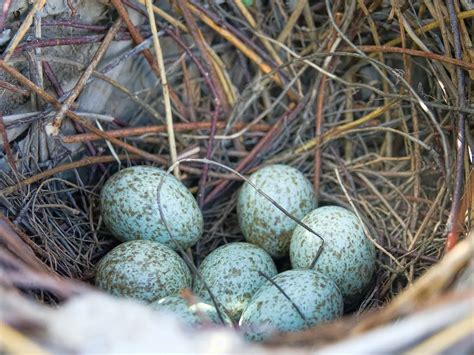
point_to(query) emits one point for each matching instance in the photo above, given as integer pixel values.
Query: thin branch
(452, 227)
(24, 28)
(178, 127)
(76, 91)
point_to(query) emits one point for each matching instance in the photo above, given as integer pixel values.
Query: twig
(30, 85)
(248, 52)
(199, 40)
(364, 227)
(136, 36)
(282, 37)
(318, 123)
(451, 225)
(431, 26)
(25, 26)
(48, 71)
(178, 127)
(10, 87)
(203, 179)
(75, 92)
(248, 16)
(417, 53)
(320, 101)
(164, 83)
(138, 39)
(347, 126)
(167, 17)
(220, 98)
(70, 41)
(74, 24)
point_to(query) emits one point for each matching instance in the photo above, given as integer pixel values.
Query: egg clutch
(237, 283)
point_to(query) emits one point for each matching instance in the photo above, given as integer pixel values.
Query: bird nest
(369, 101)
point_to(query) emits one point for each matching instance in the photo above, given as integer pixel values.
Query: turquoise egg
(195, 314)
(348, 257)
(262, 223)
(130, 208)
(143, 270)
(232, 272)
(301, 299)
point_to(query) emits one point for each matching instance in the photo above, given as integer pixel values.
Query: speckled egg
(308, 298)
(264, 224)
(232, 272)
(130, 208)
(195, 314)
(143, 270)
(348, 257)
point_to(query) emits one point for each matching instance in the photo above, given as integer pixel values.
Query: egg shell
(315, 295)
(348, 257)
(143, 270)
(260, 221)
(232, 273)
(130, 208)
(195, 314)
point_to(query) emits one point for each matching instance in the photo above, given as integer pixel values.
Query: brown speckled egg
(130, 209)
(261, 222)
(144, 270)
(232, 273)
(348, 256)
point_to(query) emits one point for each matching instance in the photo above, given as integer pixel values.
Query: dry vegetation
(371, 100)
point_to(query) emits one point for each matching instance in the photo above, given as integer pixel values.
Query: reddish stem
(452, 224)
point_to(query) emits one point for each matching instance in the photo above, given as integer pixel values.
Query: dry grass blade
(164, 83)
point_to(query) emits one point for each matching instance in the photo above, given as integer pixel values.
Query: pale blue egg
(264, 224)
(195, 314)
(348, 256)
(233, 273)
(302, 299)
(143, 270)
(130, 208)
